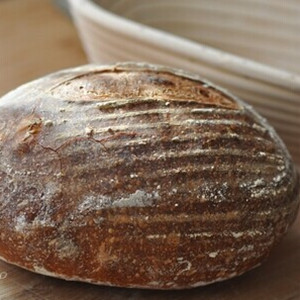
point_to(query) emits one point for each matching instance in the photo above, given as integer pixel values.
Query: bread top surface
(130, 152)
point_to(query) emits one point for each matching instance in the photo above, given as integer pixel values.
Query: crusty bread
(139, 176)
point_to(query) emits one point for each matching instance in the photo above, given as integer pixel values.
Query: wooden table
(35, 39)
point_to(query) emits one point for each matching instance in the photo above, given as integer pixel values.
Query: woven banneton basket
(249, 47)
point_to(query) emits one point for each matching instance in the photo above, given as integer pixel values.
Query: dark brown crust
(139, 176)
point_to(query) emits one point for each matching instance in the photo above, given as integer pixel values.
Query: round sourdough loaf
(137, 175)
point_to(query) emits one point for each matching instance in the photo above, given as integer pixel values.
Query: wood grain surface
(36, 39)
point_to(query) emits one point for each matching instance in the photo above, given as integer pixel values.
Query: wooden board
(36, 39)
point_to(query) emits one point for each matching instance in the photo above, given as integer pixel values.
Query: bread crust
(139, 176)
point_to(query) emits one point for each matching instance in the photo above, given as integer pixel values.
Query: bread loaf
(136, 175)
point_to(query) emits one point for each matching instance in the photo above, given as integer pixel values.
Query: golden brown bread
(139, 176)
